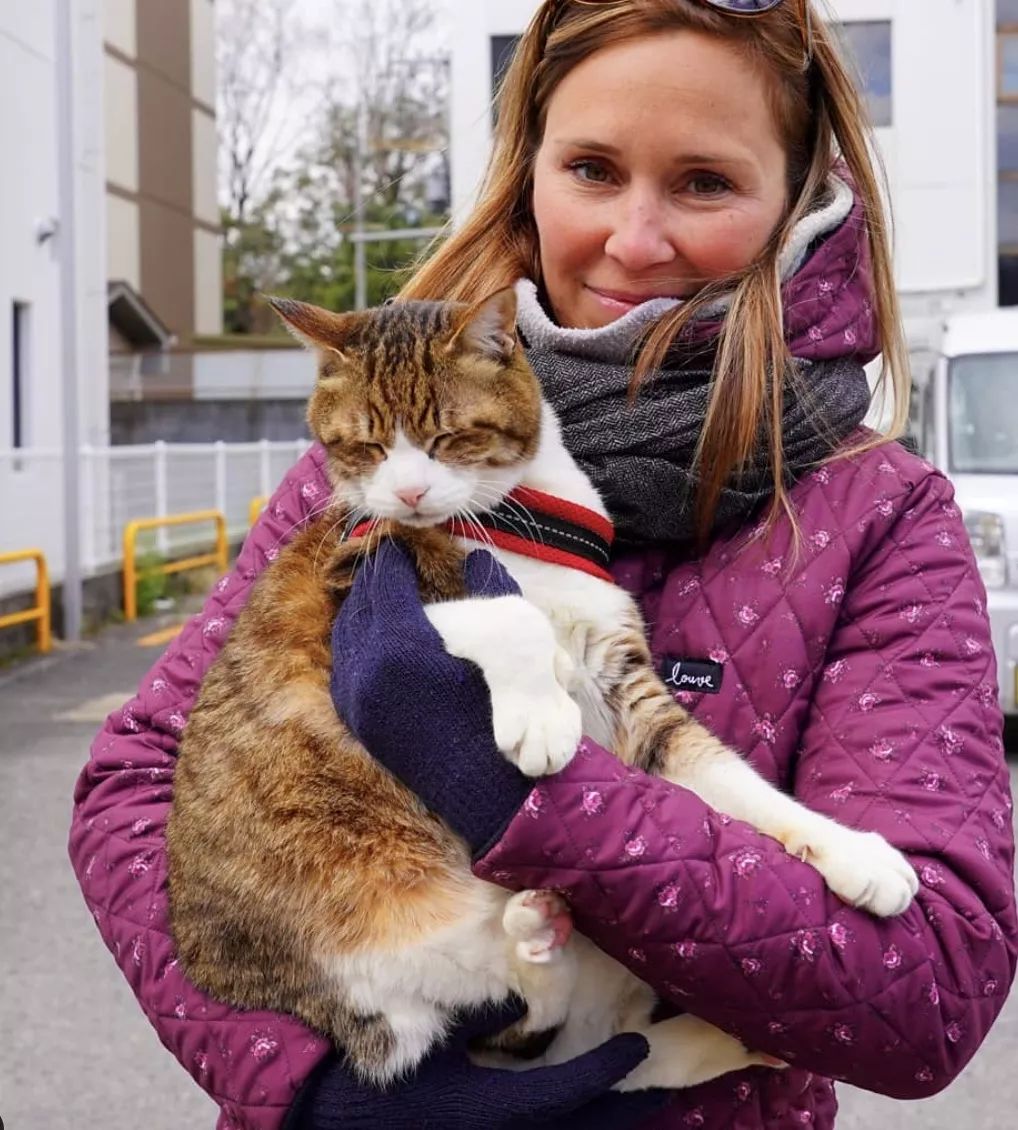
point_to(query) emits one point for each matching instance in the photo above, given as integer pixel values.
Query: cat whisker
(328, 534)
(373, 521)
(471, 523)
(526, 524)
(315, 512)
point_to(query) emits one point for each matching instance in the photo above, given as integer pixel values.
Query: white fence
(119, 484)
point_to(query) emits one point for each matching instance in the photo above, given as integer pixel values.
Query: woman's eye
(593, 172)
(708, 184)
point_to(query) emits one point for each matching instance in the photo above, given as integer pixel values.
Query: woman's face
(660, 169)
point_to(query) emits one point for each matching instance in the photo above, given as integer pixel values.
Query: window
(1007, 137)
(868, 45)
(1007, 66)
(1007, 215)
(984, 429)
(1007, 13)
(1007, 280)
(502, 48)
(19, 372)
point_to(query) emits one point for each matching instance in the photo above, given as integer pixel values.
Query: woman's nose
(639, 238)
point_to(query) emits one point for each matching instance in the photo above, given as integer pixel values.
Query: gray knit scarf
(639, 454)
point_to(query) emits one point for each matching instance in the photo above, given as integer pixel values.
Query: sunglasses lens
(743, 7)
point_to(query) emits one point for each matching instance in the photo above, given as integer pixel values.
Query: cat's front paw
(862, 868)
(538, 734)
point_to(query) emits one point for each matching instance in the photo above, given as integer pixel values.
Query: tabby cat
(303, 877)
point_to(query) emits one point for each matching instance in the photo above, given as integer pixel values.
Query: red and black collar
(535, 524)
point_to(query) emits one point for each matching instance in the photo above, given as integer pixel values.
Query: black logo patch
(698, 676)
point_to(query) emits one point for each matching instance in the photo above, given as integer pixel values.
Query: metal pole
(72, 597)
(360, 264)
(387, 235)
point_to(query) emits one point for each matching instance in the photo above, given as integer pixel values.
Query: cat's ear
(318, 329)
(488, 328)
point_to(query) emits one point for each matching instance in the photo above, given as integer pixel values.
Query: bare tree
(398, 70)
(368, 92)
(255, 61)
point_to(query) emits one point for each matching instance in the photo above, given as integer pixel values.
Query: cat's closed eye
(468, 445)
(354, 454)
(431, 444)
(373, 451)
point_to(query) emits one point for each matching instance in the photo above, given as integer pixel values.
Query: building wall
(30, 269)
(938, 146)
(162, 208)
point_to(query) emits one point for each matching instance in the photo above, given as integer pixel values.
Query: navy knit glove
(424, 714)
(448, 1092)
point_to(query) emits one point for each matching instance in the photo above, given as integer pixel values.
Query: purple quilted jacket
(859, 676)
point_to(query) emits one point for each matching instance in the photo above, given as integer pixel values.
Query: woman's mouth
(621, 302)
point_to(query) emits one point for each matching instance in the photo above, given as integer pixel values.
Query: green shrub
(150, 586)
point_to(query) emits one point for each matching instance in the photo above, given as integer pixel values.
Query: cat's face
(426, 409)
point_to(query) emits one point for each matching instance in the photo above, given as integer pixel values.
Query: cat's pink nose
(412, 495)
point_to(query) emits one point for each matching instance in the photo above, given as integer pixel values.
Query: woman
(665, 180)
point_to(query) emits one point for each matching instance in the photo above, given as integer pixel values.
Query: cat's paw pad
(541, 924)
(538, 735)
(864, 869)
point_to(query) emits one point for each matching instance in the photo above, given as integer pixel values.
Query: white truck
(965, 421)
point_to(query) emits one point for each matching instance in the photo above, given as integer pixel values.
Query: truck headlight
(986, 532)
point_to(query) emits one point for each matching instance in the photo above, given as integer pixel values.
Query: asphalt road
(76, 1051)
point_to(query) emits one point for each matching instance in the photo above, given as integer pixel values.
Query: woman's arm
(722, 921)
(251, 1063)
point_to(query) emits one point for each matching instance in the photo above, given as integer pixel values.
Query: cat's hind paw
(541, 924)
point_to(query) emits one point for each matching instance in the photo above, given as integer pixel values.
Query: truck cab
(965, 421)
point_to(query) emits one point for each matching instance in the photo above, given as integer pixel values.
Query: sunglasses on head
(747, 8)
(730, 7)
(742, 7)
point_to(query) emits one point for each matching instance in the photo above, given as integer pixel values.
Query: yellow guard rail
(40, 613)
(256, 507)
(219, 558)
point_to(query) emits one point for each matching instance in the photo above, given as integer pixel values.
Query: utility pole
(360, 262)
(67, 252)
(359, 237)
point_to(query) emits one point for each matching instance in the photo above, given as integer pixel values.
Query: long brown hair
(822, 120)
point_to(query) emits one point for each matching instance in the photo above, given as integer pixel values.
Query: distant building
(148, 275)
(1005, 75)
(165, 253)
(165, 263)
